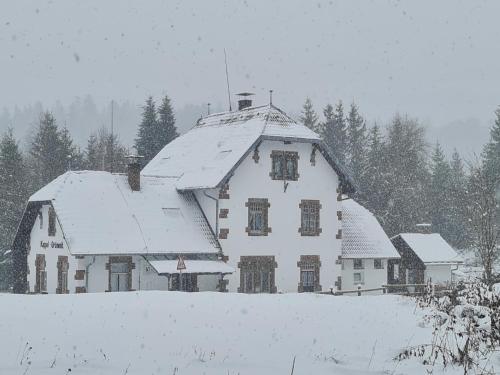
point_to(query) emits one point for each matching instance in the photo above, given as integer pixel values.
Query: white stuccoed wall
(252, 180)
(39, 235)
(439, 273)
(373, 278)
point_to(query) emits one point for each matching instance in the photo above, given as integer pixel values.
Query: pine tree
(105, 152)
(309, 117)
(74, 157)
(372, 189)
(52, 152)
(439, 193)
(491, 152)
(145, 143)
(406, 165)
(459, 230)
(167, 130)
(334, 131)
(356, 143)
(13, 196)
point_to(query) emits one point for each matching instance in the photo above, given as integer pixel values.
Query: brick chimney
(424, 228)
(134, 172)
(244, 102)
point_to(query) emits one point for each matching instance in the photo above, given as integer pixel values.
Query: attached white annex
(250, 200)
(425, 257)
(368, 255)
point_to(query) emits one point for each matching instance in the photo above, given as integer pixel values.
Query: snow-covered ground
(208, 333)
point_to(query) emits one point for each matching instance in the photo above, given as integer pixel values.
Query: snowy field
(208, 333)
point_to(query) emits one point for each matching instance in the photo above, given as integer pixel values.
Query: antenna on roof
(270, 97)
(112, 137)
(208, 109)
(227, 80)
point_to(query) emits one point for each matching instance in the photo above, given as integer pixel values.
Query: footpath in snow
(207, 333)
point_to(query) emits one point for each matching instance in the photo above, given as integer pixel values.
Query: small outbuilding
(424, 257)
(367, 251)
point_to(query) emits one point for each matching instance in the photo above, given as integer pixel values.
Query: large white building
(246, 201)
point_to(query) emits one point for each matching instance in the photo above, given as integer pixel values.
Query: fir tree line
(401, 178)
(52, 152)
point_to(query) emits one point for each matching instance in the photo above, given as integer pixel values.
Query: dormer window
(285, 165)
(52, 222)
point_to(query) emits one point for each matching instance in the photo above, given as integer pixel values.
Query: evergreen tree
(407, 174)
(459, 231)
(309, 117)
(52, 152)
(105, 152)
(13, 195)
(491, 154)
(74, 157)
(439, 193)
(145, 143)
(334, 131)
(356, 143)
(372, 189)
(167, 130)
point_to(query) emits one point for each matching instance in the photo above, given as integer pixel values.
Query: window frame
(41, 274)
(52, 227)
(378, 267)
(309, 263)
(40, 218)
(358, 267)
(258, 205)
(361, 277)
(252, 269)
(62, 275)
(123, 260)
(310, 207)
(284, 157)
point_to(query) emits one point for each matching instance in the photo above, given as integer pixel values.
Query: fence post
(359, 290)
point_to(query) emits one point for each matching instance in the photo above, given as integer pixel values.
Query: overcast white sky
(438, 61)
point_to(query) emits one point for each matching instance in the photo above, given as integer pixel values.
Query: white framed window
(378, 264)
(43, 281)
(358, 278)
(358, 264)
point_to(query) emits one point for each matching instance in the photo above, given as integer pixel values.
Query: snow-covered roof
(192, 266)
(205, 155)
(100, 214)
(431, 248)
(362, 235)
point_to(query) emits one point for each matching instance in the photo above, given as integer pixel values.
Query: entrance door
(119, 277)
(185, 282)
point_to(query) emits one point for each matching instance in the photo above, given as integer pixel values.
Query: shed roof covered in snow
(100, 214)
(430, 247)
(362, 235)
(208, 153)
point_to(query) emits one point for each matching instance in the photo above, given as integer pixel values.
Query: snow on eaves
(207, 153)
(362, 235)
(431, 248)
(100, 214)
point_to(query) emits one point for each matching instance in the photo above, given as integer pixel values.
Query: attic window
(284, 165)
(40, 219)
(52, 222)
